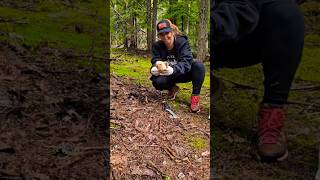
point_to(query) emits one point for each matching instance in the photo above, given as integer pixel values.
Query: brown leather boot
(173, 92)
(272, 143)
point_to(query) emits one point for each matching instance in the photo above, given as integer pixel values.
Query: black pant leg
(196, 75)
(277, 43)
(162, 82)
(282, 40)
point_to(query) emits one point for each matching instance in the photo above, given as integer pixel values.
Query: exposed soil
(146, 143)
(52, 116)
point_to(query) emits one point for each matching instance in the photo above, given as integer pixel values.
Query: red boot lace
(195, 100)
(270, 124)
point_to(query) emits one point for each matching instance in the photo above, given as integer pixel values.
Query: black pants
(196, 75)
(276, 42)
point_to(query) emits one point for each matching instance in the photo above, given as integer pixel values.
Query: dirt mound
(146, 143)
(52, 115)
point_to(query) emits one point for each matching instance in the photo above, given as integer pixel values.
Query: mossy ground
(53, 23)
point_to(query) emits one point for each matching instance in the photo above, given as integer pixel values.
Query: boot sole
(195, 111)
(267, 159)
(285, 156)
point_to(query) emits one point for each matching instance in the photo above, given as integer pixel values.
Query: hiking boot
(272, 143)
(195, 103)
(173, 92)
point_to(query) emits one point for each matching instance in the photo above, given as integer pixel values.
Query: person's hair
(174, 28)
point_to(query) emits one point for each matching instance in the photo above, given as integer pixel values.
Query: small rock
(199, 160)
(143, 172)
(234, 138)
(205, 154)
(185, 159)
(181, 176)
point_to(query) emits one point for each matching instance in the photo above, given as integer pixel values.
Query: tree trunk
(182, 24)
(171, 3)
(126, 30)
(133, 38)
(188, 20)
(149, 26)
(202, 30)
(154, 20)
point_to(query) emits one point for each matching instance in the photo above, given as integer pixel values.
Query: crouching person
(172, 63)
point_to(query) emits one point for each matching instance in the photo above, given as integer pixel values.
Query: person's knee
(292, 19)
(159, 83)
(199, 66)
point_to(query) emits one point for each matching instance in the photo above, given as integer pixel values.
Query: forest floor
(145, 141)
(53, 100)
(52, 116)
(232, 147)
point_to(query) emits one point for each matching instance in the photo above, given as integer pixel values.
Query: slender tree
(154, 20)
(203, 30)
(149, 26)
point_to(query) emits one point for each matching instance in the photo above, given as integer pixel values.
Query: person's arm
(155, 53)
(232, 19)
(184, 58)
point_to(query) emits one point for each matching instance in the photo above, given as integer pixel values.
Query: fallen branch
(154, 168)
(310, 88)
(169, 152)
(88, 56)
(15, 21)
(240, 86)
(8, 173)
(304, 104)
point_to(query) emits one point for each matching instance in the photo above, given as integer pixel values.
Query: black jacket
(233, 19)
(179, 58)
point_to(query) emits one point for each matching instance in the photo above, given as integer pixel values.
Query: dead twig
(14, 21)
(154, 168)
(94, 148)
(239, 85)
(169, 152)
(9, 173)
(305, 104)
(309, 88)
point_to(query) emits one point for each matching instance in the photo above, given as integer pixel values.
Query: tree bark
(149, 26)
(188, 20)
(154, 20)
(202, 30)
(133, 38)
